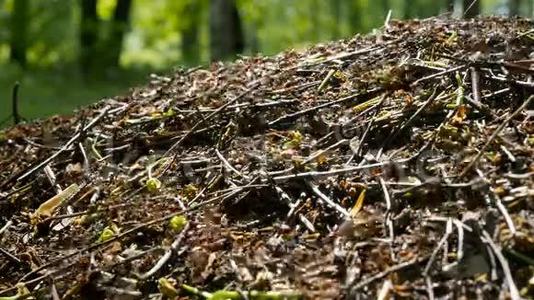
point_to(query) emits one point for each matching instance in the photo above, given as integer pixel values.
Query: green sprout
(177, 223)
(153, 185)
(107, 233)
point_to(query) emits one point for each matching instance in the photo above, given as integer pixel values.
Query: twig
(328, 201)
(67, 144)
(494, 135)
(358, 150)
(365, 282)
(514, 293)
(15, 103)
(438, 74)
(387, 198)
(403, 126)
(448, 231)
(297, 114)
(11, 257)
(227, 164)
(163, 260)
(317, 174)
(475, 79)
(5, 227)
(204, 120)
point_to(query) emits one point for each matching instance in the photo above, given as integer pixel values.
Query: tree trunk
(226, 33)
(88, 34)
(19, 28)
(471, 8)
(513, 7)
(119, 26)
(190, 34)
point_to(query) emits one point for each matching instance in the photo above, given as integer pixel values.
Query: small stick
(15, 103)
(316, 174)
(493, 136)
(5, 227)
(438, 74)
(514, 293)
(165, 257)
(204, 120)
(401, 128)
(299, 113)
(460, 228)
(448, 231)
(11, 257)
(388, 221)
(227, 164)
(328, 201)
(475, 79)
(386, 272)
(66, 146)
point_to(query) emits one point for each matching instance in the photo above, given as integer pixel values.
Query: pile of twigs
(398, 164)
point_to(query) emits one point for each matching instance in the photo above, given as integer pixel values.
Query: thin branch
(165, 257)
(328, 201)
(494, 135)
(514, 293)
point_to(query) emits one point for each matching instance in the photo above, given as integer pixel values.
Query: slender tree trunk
(471, 8)
(190, 34)
(88, 34)
(226, 33)
(513, 7)
(120, 24)
(19, 28)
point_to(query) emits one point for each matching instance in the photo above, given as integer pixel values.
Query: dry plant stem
(448, 231)
(475, 80)
(163, 260)
(318, 174)
(365, 282)
(67, 145)
(404, 125)
(343, 212)
(193, 129)
(494, 135)
(429, 288)
(5, 227)
(514, 293)
(358, 151)
(10, 256)
(293, 116)
(460, 227)
(227, 164)
(438, 74)
(208, 117)
(506, 215)
(388, 222)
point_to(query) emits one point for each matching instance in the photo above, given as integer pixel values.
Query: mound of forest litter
(397, 164)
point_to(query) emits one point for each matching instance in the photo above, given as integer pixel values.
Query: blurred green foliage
(52, 83)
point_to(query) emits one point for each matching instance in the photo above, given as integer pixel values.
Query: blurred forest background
(66, 53)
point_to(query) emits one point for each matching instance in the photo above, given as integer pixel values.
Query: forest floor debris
(399, 163)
